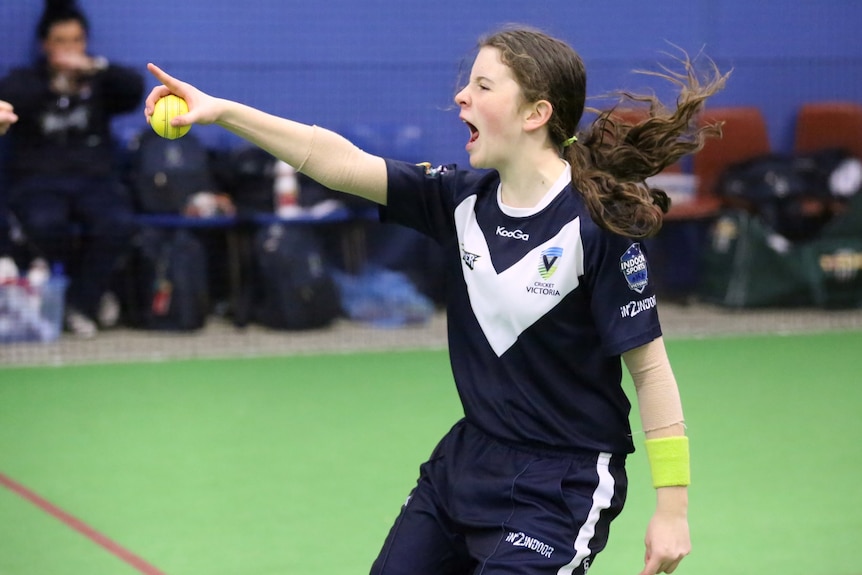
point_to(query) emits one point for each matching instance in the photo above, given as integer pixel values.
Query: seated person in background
(61, 168)
(8, 268)
(7, 116)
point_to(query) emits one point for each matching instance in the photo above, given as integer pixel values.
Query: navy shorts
(484, 507)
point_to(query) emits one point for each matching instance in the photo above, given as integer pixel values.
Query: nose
(461, 97)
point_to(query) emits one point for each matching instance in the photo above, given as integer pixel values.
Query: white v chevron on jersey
(507, 303)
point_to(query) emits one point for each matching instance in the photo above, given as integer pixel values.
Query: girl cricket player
(549, 294)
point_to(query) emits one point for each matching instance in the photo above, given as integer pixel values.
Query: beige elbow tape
(658, 395)
(335, 162)
(314, 130)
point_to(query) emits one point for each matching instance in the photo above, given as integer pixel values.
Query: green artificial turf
(300, 464)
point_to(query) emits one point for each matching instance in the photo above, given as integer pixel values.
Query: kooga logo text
(517, 234)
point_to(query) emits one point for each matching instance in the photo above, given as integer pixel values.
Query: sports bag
(164, 174)
(293, 286)
(170, 290)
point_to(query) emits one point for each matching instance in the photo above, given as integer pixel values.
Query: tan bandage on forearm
(658, 395)
(339, 165)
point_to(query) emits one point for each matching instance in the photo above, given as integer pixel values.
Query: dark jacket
(60, 135)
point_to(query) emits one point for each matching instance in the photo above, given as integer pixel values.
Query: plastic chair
(677, 250)
(744, 136)
(828, 125)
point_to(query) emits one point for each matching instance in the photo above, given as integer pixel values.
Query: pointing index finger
(168, 85)
(162, 76)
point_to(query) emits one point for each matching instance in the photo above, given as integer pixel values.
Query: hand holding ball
(165, 110)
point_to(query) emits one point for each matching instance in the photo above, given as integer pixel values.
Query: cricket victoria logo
(547, 266)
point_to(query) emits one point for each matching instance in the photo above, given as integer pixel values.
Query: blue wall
(338, 62)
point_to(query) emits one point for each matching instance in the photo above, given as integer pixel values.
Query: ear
(537, 115)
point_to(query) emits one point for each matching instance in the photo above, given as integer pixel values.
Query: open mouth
(474, 132)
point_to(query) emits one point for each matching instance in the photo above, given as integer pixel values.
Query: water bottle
(286, 188)
(38, 273)
(8, 270)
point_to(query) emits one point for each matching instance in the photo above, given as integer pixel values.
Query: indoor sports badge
(633, 264)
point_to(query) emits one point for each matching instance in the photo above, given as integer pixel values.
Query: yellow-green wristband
(669, 461)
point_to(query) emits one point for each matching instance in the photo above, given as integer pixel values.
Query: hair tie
(570, 141)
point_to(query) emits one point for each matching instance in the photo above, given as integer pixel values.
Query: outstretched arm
(319, 153)
(667, 538)
(7, 116)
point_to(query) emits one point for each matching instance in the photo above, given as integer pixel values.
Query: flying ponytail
(614, 156)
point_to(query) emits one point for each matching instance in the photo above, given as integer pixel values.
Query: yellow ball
(166, 109)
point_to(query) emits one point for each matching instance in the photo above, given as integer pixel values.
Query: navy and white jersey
(541, 303)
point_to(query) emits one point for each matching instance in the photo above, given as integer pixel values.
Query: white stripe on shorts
(601, 501)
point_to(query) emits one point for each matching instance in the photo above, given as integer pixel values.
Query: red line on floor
(110, 546)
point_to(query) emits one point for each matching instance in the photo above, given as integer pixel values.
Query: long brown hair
(613, 156)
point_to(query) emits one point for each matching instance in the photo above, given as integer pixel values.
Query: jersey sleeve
(623, 299)
(420, 197)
